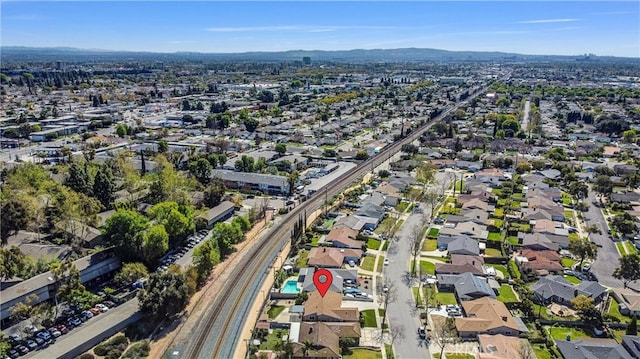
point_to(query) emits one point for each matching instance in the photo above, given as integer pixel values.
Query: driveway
(403, 312)
(608, 256)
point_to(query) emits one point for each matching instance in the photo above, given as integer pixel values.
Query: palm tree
(307, 345)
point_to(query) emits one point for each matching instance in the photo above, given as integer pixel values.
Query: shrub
(87, 356)
(138, 350)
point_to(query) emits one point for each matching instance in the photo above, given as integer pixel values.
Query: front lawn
(274, 311)
(369, 316)
(572, 279)
(492, 252)
(430, 245)
(446, 298)
(568, 262)
(385, 225)
(561, 333)
(433, 233)
(614, 311)
(541, 351)
(427, 267)
(506, 294)
(494, 236)
(416, 296)
(367, 263)
(373, 244)
(361, 353)
(502, 269)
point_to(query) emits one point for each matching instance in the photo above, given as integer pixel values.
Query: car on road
(422, 333)
(386, 261)
(385, 288)
(586, 267)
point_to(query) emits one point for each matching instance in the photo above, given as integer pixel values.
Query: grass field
(416, 296)
(427, 267)
(373, 244)
(385, 246)
(492, 252)
(367, 263)
(506, 294)
(380, 264)
(567, 262)
(502, 269)
(433, 233)
(360, 353)
(562, 332)
(274, 311)
(621, 248)
(369, 318)
(614, 311)
(630, 248)
(303, 257)
(446, 298)
(494, 236)
(430, 245)
(541, 351)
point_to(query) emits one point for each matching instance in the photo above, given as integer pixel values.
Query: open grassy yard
(274, 311)
(373, 244)
(502, 269)
(572, 279)
(433, 233)
(272, 339)
(385, 225)
(614, 311)
(506, 294)
(430, 245)
(492, 252)
(369, 318)
(360, 353)
(541, 351)
(367, 263)
(446, 298)
(427, 267)
(567, 262)
(494, 236)
(562, 333)
(303, 258)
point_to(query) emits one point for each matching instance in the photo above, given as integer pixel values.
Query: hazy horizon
(530, 28)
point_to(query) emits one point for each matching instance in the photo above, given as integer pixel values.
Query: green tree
(226, 235)
(205, 258)
(124, 230)
(121, 130)
(213, 193)
(625, 223)
(104, 186)
(67, 278)
(281, 148)
(589, 314)
(251, 124)
(241, 222)
(130, 273)
(201, 170)
(14, 217)
(11, 262)
(361, 155)
(78, 178)
(579, 189)
(163, 146)
(165, 295)
(629, 268)
(603, 185)
(583, 249)
(245, 164)
(292, 179)
(629, 136)
(155, 244)
(177, 220)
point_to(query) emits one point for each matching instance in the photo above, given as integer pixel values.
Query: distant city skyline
(605, 28)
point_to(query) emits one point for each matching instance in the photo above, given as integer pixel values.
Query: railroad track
(255, 266)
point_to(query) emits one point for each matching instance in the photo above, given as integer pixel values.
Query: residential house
(540, 262)
(625, 197)
(628, 301)
(349, 221)
(324, 257)
(392, 194)
(88, 235)
(464, 245)
(375, 198)
(486, 316)
(370, 214)
(462, 264)
(475, 203)
(543, 241)
(340, 278)
(631, 344)
(473, 230)
(326, 343)
(343, 237)
(590, 348)
(466, 286)
(556, 289)
(476, 215)
(623, 168)
(500, 347)
(546, 226)
(219, 213)
(328, 309)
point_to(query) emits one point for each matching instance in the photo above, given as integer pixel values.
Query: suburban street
(608, 255)
(403, 312)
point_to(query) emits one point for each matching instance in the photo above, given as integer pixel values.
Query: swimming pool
(290, 287)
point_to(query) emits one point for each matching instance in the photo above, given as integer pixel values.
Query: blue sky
(542, 27)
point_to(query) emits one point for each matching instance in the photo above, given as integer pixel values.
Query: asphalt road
(608, 256)
(403, 312)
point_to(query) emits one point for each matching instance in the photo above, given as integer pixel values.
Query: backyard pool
(290, 287)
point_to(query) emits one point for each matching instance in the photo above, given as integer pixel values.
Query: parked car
(41, 342)
(386, 261)
(15, 337)
(31, 344)
(103, 308)
(22, 349)
(109, 303)
(30, 329)
(87, 314)
(13, 354)
(74, 322)
(95, 311)
(44, 335)
(62, 328)
(422, 333)
(54, 332)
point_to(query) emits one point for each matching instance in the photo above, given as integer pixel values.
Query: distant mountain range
(19, 53)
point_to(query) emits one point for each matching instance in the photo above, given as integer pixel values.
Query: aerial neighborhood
(465, 209)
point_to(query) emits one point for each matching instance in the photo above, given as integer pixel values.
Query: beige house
(486, 316)
(328, 309)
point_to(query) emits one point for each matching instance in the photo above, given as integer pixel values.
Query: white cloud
(546, 21)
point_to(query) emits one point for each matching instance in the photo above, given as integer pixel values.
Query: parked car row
(175, 254)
